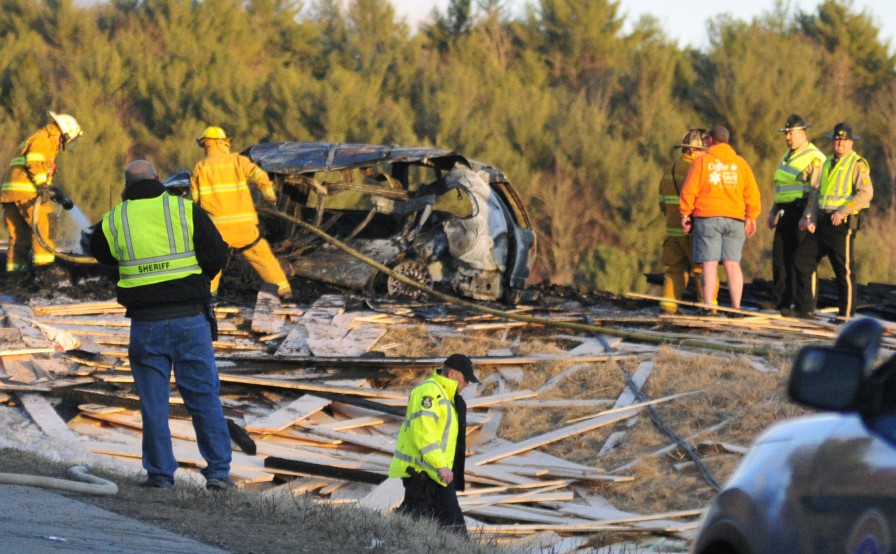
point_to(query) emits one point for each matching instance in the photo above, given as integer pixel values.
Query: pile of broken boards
(324, 429)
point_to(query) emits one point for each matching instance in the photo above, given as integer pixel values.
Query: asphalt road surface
(36, 520)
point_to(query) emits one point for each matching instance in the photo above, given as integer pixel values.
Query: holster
(419, 487)
(212, 320)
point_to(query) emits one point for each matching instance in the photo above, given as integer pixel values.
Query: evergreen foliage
(581, 115)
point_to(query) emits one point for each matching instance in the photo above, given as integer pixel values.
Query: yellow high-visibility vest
(152, 239)
(835, 189)
(788, 187)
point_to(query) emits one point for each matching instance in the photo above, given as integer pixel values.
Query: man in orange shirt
(720, 200)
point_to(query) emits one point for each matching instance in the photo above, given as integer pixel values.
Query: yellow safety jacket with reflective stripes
(219, 184)
(670, 188)
(32, 168)
(836, 187)
(152, 239)
(788, 185)
(428, 436)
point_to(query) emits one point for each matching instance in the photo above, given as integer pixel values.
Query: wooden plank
(26, 351)
(264, 320)
(492, 400)
(46, 417)
(287, 415)
(345, 425)
(575, 403)
(553, 436)
(295, 343)
(243, 468)
(557, 379)
(385, 497)
(286, 384)
(529, 497)
(81, 308)
(19, 369)
(626, 399)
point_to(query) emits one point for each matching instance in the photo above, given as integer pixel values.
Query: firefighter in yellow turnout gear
(30, 174)
(220, 185)
(678, 248)
(429, 454)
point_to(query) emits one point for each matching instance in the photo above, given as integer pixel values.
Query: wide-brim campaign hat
(843, 131)
(793, 123)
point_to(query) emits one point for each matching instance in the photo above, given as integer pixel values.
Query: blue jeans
(186, 345)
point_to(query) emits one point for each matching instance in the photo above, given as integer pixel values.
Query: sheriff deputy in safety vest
(167, 250)
(30, 174)
(220, 184)
(792, 183)
(429, 455)
(843, 188)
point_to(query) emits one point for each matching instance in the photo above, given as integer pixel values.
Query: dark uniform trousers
(835, 243)
(784, 245)
(425, 498)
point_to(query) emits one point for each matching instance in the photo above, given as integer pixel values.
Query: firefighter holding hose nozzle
(31, 175)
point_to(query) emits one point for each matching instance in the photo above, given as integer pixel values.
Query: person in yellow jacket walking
(220, 185)
(429, 455)
(678, 248)
(30, 174)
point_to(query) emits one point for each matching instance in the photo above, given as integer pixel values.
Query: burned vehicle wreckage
(431, 215)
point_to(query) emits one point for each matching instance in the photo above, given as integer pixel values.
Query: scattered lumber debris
(314, 405)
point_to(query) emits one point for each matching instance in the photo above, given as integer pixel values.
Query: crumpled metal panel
(479, 241)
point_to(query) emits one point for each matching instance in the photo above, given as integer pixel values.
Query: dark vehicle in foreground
(431, 215)
(821, 483)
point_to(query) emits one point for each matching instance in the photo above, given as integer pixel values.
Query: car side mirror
(864, 335)
(827, 378)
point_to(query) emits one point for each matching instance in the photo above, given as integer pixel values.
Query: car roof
(304, 157)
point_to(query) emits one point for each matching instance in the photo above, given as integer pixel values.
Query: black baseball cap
(843, 131)
(462, 363)
(793, 123)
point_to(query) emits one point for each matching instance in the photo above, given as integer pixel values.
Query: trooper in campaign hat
(792, 179)
(843, 189)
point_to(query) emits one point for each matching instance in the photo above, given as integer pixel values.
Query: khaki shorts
(718, 239)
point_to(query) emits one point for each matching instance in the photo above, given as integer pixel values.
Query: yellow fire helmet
(211, 133)
(68, 125)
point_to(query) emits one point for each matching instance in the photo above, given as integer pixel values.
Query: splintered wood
(326, 426)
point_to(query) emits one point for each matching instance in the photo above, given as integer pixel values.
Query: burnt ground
(243, 523)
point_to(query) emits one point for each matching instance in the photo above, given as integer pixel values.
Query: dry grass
(248, 522)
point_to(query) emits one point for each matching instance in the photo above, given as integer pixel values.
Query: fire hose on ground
(653, 338)
(83, 482)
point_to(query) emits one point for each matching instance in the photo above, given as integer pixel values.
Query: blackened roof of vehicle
(303, 157)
